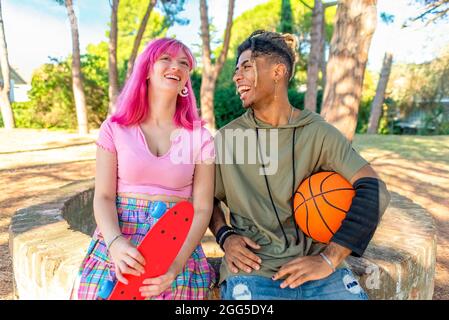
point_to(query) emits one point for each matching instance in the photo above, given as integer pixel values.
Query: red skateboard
(160, 247)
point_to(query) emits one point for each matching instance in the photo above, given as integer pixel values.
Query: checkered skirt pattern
(135, 220)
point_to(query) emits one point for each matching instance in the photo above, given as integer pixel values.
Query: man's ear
(279, 71)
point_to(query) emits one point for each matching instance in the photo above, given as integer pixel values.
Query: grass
(416, 148)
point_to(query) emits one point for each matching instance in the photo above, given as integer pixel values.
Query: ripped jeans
(340, 285)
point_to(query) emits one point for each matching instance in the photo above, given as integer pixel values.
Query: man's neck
(276, 114)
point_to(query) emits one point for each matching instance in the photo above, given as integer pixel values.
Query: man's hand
(308, 268)
(303, 269)
(238, 256)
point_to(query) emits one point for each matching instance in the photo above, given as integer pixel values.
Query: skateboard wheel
(158, 209)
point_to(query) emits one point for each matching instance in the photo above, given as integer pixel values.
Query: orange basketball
(321, 203)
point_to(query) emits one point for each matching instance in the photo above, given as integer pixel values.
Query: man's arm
(236, 247)
(335, 252)
(218, 218)
(357, 229)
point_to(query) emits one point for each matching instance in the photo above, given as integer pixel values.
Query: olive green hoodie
(241, 185)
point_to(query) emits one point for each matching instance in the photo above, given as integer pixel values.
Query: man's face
(245, 79)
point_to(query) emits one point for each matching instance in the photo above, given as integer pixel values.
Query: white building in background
(19, 87)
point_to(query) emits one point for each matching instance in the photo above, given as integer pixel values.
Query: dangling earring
(275, 89)
(184, 92)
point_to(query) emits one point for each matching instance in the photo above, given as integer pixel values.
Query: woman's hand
(127, 259)
(155, 286)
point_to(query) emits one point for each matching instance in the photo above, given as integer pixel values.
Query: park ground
(33, 162)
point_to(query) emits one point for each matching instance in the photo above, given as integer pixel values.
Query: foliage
(368, 93)
(52, 103)
(130, 13)
(266, 16)
(423, 87)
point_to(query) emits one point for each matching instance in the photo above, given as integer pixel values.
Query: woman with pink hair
(152, 153)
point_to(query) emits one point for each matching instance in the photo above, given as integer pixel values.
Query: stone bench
(48, 242)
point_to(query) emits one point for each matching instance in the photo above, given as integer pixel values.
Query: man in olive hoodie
(266, 255)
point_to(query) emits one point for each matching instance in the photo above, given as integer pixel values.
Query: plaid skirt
(193, 283)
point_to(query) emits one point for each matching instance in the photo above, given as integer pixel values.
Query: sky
(37, 29)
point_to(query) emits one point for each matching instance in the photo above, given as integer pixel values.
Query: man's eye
(246, 67)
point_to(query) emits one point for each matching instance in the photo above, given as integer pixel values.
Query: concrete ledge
(48, 242)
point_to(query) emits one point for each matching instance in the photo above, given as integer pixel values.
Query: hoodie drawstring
(293, 187)
(268, 188)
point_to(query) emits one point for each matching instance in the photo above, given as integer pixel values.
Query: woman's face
(245, 79)
(170, 73)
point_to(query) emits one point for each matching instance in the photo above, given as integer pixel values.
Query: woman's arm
(203, 199)
(126, 257)
(105, 211)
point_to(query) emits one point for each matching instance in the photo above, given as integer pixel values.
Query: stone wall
(49, 240)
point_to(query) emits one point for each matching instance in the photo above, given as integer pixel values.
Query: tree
(376, 107)
(77, 80)
(139, 35)
(354, 27)
(423, 88)
(211, 71)
(170, 8)
(51, 102)
(317, 53)
(432, 11)
(268, 16)
(286, 23)
(5, 104)
(113, 72)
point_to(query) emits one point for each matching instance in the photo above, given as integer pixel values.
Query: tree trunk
(113, 72)
(354, 27)
(5, 104)
(139, 36)
(376, 107)
(212, 71)
(323, 61)
(77, 81)
(315, 56)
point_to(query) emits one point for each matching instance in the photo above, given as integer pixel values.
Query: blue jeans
(340, 285)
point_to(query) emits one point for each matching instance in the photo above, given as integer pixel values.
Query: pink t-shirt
(140, 171)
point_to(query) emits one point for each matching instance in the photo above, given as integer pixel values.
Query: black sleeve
(368, 205)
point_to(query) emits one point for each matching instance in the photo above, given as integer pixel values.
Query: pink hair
(132, 103)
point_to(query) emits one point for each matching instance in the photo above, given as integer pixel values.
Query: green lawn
(417, 148)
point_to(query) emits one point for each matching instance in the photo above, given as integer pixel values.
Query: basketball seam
(333, 205)
(307, 220)
(304, 200)
(316, 206)
(325, 192)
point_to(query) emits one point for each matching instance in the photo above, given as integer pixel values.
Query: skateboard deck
(160, 247)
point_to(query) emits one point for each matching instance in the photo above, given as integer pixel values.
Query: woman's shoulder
(111, 125)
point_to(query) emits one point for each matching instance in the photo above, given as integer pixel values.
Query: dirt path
(427, 186)
(61, 158)
(418, 168)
